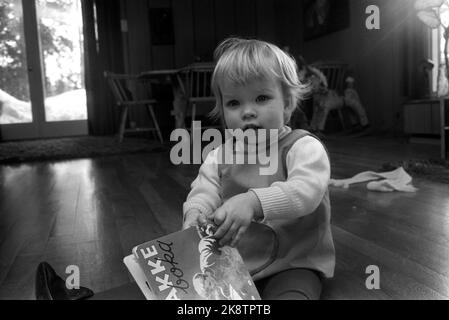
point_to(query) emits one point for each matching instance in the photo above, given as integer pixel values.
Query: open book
(190, 265)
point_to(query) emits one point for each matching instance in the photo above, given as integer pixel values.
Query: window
(437, 53)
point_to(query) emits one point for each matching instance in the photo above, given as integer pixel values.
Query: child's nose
(248, 111)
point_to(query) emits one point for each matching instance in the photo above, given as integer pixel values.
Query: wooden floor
(91, 213)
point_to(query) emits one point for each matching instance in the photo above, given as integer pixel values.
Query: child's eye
(262, 98)
(232, 103)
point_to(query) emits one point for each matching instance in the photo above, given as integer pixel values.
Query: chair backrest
(119, 86)
(335, 73)
(198, 81)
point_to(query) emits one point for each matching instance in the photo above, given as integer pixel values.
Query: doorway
(42, 90)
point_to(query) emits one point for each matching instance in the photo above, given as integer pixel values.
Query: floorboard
(92, 212)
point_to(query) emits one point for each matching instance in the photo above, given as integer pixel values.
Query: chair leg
(156, 124)
(122, 124)
(193, 116)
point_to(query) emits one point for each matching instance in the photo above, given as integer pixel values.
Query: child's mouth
(251, 127)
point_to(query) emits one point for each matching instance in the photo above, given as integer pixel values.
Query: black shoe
(50, 286)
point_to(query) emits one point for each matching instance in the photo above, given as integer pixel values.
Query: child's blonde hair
(244, 60)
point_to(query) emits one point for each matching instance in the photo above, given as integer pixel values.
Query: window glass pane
(61, 34)
(444, 15)
(15, 104)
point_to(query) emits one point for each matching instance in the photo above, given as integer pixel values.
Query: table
(178, 80)
(174, 77)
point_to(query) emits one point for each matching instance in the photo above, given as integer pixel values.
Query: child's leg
(293, 284)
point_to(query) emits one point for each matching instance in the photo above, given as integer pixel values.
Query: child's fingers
(202, 220)
(222, 229)
(189, 223)
(238, 236)
(219, 216)
(186, 223)
(229, 234)
(190, 219)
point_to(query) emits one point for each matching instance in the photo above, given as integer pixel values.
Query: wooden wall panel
(265, 19)
(159, 3)
(288, 24)
(245, 18)
(140, 54)
(163, 55)
(184, 35)
(199, 25)
(124, 33)
(224, 19)
(204, 29)
(139, 37)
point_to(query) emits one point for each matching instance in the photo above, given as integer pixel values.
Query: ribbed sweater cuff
(275, 204)
(195, 205)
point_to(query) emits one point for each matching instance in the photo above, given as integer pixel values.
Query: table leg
(179, 106)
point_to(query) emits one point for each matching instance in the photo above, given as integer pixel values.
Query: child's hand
(194, 218)
(235, 216)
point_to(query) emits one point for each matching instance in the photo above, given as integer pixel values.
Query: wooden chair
(198, 78)
(119, 84)
(335, 73)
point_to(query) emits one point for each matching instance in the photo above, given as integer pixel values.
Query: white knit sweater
(308, 177)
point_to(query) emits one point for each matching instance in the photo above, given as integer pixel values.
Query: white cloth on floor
(397, 180)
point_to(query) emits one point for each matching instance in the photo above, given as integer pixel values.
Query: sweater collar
(262, 145)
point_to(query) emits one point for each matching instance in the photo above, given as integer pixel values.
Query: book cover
(190, 265)
(139, 276)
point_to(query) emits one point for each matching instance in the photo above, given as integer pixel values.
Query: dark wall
(198, 26)
(153, 41)
(383, 61)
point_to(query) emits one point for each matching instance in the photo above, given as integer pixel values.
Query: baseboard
(425, 140)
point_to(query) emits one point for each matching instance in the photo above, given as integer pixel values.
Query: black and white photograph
(306, 139)
(322, 17)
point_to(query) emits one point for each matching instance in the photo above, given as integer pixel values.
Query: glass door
(42, 91)
(16, 117)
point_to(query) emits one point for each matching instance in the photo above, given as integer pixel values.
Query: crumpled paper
(396, 180)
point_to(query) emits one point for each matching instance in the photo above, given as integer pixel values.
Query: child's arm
(204, 197)
(308, 177)
(308, 169)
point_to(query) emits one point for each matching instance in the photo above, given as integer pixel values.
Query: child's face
(259, 104)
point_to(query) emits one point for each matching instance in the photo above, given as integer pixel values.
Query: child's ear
(288, 109)
(288, 104)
